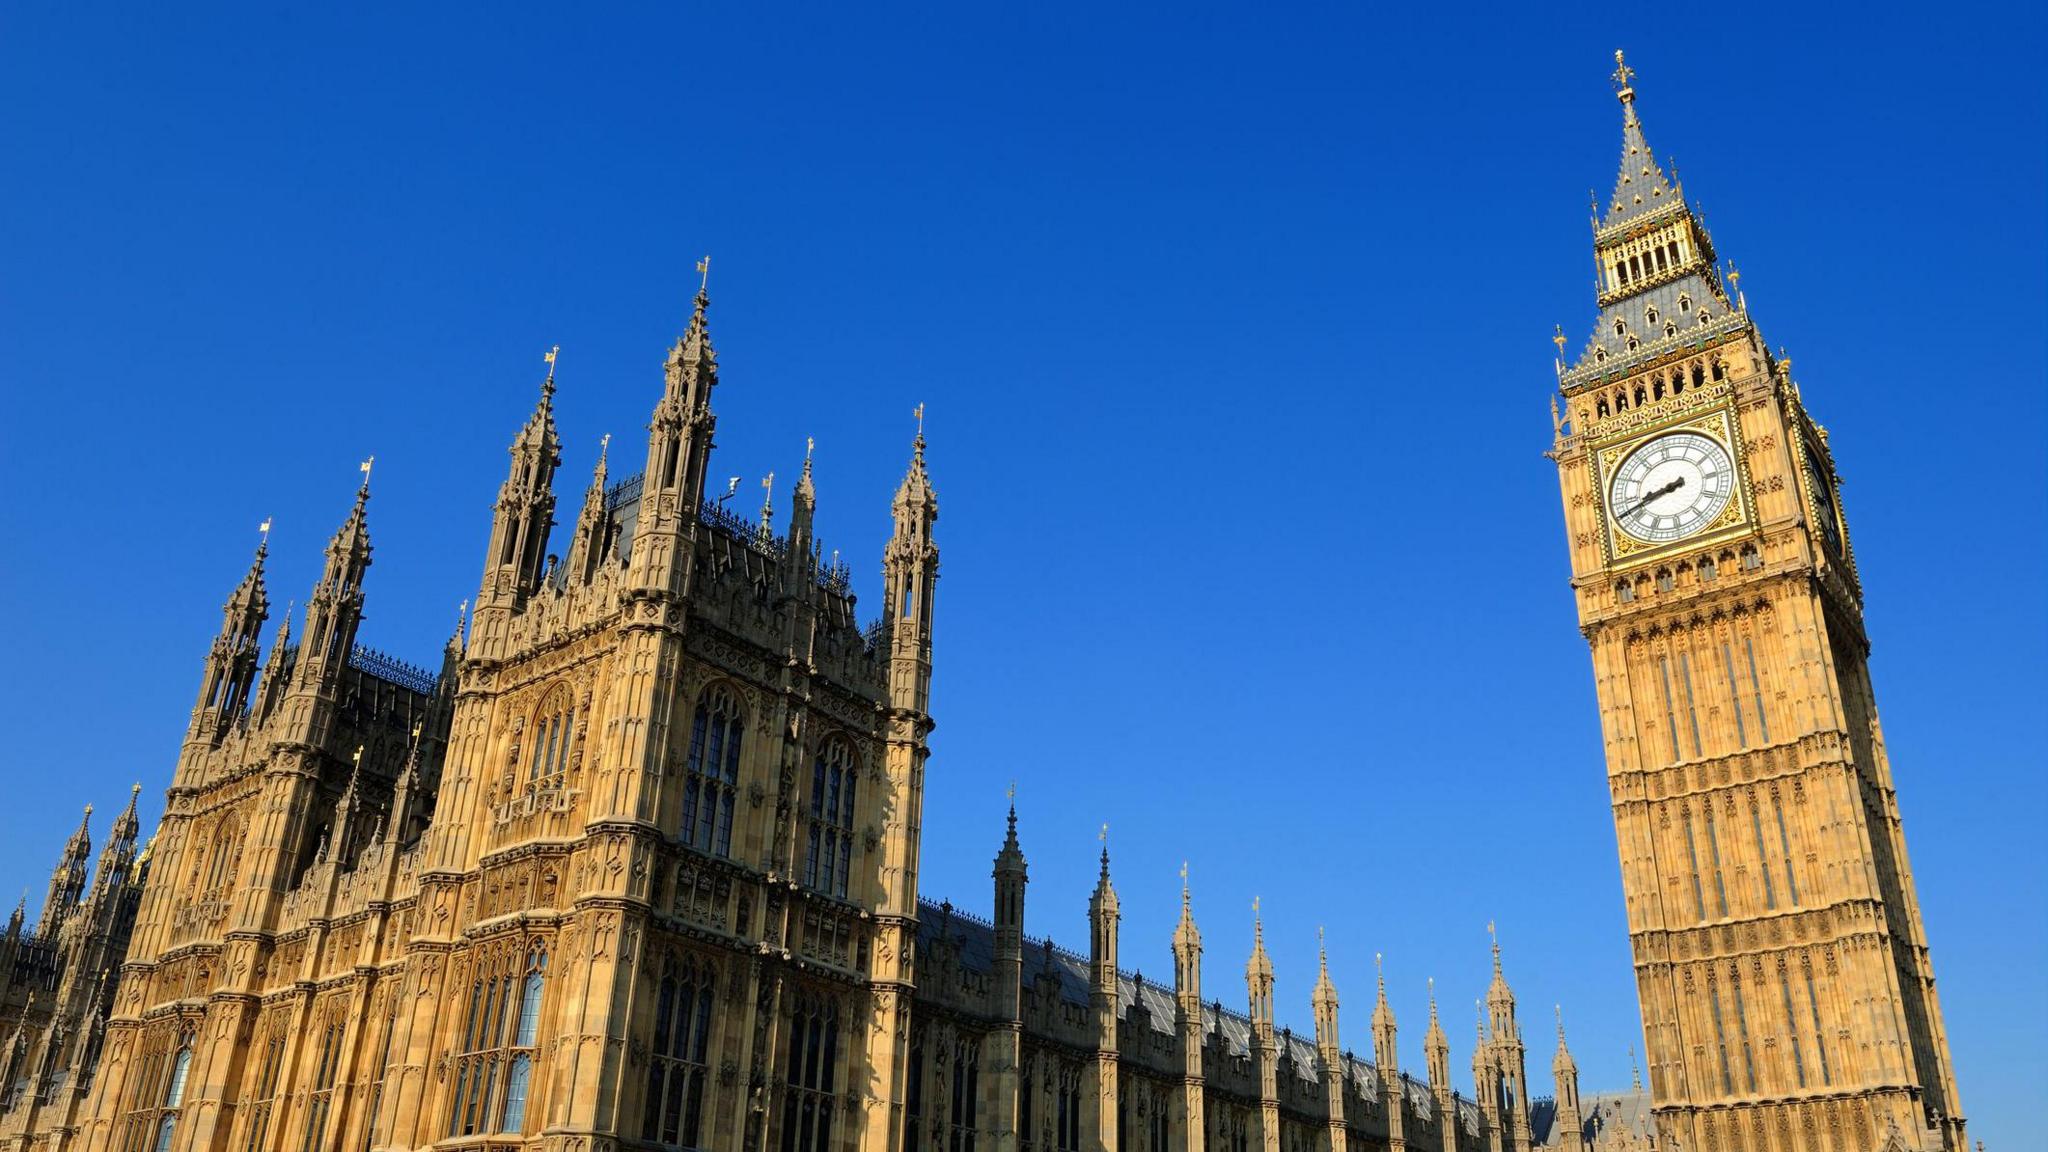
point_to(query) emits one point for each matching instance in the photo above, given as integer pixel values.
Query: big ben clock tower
(1787, 995)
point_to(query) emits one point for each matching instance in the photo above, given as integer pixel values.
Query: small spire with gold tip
(547, 386)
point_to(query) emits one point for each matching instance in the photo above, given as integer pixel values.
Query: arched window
(830, 846)
(499, 1031)
(966, 1094)
(1601, 407)
(680, 1065)
(174, 1095)
(227, 850)
(1670, 329)
(810, 1076)
(713, 771)
(1699, 375)
(1720, 371)
(1621, 400)
(268, 1067)
(321, 1103)
(1620, 328)
(1633, 344)
(525, 1032)
(1650, 315)
(1657, 388)
(1685, 303)
(1640, 398)
(554, 729)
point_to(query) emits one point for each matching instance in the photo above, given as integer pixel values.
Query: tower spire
(336, 607)
(230, 675)
(1641, 186)
(678, 451)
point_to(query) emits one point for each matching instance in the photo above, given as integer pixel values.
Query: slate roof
(974, 940)
(1627, 1112)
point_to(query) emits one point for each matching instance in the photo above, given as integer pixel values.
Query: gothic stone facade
(636, 868)
(1787, 995)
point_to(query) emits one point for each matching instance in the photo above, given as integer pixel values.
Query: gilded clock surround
(1708, 415)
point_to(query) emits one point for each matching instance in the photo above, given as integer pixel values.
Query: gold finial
(1104, 834)
(550, 360)
(1492, 934)
(418, 726)
(704, 269)
(604, 447)
(357, 759)
(1013, 792)
(810, 446)
(263, 529)
(1622, 75)
(1558, 339)
(1255, 909)
(364, 468)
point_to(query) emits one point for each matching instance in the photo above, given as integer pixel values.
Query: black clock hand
(1666, 490)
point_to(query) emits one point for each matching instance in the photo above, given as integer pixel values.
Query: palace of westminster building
(636, 868)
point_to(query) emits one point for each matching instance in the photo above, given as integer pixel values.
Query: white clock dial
(1671, 487)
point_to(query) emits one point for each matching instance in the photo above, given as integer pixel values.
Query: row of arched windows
(1658, 385)
(1706, 568)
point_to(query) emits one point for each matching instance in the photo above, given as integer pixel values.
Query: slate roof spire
(1641, 186)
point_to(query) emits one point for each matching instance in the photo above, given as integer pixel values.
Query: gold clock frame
(1620, 550)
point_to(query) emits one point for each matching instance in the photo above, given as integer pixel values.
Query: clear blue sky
(1234, 330)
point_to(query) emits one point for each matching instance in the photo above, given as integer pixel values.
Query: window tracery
(679, 1062)
(554, 731)
(712, 772)
(834, 780)
(494, 1064)
(809, 1076)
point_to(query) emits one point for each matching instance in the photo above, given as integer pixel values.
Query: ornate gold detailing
(1618, 548)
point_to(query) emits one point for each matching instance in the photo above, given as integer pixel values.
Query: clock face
(1824, 511)
(1671, 487)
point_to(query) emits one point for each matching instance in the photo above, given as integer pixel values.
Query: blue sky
(1234, 331)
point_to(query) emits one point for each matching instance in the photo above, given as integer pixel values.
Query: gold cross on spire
(704, 269)
(1622, 75)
